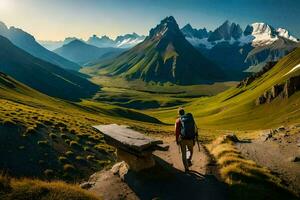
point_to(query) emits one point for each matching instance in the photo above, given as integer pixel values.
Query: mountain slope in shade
(52, 45)
(188, 31)
(164, 56)
(41, 75)
(225, 32)
(82, 53)
(27, 42)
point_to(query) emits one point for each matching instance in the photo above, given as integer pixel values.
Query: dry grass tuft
(28, 189)
(246, 179)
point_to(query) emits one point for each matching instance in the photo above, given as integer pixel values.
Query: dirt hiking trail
(166, 180)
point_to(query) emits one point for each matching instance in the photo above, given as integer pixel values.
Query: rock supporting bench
(132, 147)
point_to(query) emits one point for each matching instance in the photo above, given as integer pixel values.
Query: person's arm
(177, 130)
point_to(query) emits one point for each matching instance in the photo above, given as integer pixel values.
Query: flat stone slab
(123, 137)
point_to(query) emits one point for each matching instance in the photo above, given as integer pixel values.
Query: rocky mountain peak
(167, 25)
(187, 27)
(285, 33)
(226, 31)
(189, 31)
(262, 28)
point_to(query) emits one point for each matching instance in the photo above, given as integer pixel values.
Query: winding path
(165, 181)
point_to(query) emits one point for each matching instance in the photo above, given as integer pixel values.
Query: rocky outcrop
(291, 86)
(284, 90)
(247, 81)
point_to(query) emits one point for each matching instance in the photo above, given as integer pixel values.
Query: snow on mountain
(284, 33)
(256, 34)
(127, 43)
(122, 41)
(263, 34)
(128, 40)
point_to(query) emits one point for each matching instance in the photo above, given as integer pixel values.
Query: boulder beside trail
(132, 147)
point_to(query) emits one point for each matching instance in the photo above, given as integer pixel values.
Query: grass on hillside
(30, 189)
(245, 178)
(54, 139)
(235, 109)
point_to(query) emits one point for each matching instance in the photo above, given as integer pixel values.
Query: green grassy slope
(235, 109)
(41, 75)
(50, 138)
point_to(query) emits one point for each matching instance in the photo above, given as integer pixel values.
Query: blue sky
(57, 19)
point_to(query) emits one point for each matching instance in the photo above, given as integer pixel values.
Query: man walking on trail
(186, 133)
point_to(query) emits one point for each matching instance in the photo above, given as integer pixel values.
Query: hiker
(186, 133)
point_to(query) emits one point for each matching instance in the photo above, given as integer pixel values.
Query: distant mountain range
(28, 43)
(238, 50)
(182, 56)
(123, 41)
(164, 56)
(82, 53)
(41, 75)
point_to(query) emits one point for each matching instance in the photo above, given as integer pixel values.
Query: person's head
(180, 111)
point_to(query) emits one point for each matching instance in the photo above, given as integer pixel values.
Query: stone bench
(132, 147)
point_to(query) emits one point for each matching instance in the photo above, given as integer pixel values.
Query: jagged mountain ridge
(237, 50)
(164, 56)
(122, 41)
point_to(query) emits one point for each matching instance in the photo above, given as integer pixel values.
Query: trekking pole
(198, 144)
(197, 140)
(179, 150)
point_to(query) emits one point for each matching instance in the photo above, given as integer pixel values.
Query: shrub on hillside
(104, 148)
(64, 136)
(70, 153)
(86, 148)
(80, 159)
(43, 143)
(49, 173)
(53, 136)
(75, 145)
(83, 136)
(90, 157)
(62, 159)
(30, 131)
(73, 132)
(67, 141)
(69, 168)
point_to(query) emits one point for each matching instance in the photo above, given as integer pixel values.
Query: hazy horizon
(55, 20)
